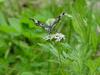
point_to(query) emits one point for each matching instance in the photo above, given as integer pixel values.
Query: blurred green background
(23, 51)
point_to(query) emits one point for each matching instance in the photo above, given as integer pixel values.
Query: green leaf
(2, 1)
(15, 24)
(26, 73)
(2, 19)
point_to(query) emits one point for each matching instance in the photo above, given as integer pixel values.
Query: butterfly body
(49, 26)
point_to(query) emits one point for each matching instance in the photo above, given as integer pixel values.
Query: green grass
(23, 51)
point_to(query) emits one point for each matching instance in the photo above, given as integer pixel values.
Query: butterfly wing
(38, 23)
(48, 28)
(57, 19)
(44, 26)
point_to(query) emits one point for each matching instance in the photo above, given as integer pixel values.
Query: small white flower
(57, 37)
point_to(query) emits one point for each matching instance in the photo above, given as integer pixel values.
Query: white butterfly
(51, 25)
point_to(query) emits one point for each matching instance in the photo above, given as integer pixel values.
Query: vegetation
(24, 51)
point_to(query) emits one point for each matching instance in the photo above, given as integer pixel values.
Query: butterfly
(50, 26)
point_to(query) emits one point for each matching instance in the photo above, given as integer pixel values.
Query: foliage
(23, 51)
